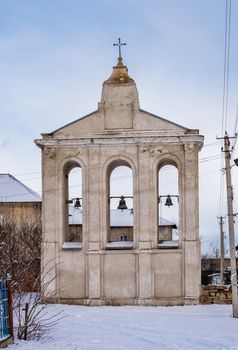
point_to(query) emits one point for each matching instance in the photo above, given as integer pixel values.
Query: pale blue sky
(54, 56)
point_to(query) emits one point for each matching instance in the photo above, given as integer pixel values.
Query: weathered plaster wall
(119, 133)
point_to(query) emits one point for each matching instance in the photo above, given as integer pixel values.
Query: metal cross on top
(119, 46)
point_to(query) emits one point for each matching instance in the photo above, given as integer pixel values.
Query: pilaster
(191, 192)
(144, 193)
(94, 200)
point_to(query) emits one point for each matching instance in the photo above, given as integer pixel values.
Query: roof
(118, 218)
(166, 120)
(118, 78)
(12, 190)
(141, 110)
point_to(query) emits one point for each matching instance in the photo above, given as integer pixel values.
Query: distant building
(210, 270)
(121, 226)
(18, 202)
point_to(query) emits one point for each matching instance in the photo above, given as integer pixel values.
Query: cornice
(120, 140)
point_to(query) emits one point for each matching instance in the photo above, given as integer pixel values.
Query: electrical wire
(39, 172)
(79, 185)
(225, 96)
(228, 24)
(120, 177)
(226, 67)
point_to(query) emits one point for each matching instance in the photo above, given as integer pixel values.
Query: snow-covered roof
(12, 190)
(118, 218)
(120, 245)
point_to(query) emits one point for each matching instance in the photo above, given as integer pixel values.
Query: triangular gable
(91, 123)
(161, 123)
(95, 123)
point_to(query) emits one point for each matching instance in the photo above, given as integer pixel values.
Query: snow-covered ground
(140, 328)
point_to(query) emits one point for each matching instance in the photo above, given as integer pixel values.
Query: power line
(211, 144)
(39, 172)
(225, 95)
(133, 177)
(226, 67)
(228, 59)
(208, 159)
(165, 168)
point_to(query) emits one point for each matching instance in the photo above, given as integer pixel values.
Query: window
(123, 238)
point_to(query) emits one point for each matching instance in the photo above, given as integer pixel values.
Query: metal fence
(5, 312)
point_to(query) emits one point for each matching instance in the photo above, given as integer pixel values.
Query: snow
(169, 244)
(120, 245)
(72, 245)
(12, 190)
(200, 327)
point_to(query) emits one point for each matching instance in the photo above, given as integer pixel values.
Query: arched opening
(73, 204)
(168, 206)
(121, 215)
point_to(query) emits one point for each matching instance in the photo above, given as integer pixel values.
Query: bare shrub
(20, 247)
(20, 256)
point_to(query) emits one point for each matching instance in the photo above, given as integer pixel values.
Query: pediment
(150, 122)
(89, 124)
(95, 123)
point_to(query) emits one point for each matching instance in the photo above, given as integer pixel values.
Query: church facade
(97, 269)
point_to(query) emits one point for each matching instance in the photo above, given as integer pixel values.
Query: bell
(77, 203)
(168, 202)
(122, 203)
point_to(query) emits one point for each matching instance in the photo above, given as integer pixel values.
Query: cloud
(4, 143)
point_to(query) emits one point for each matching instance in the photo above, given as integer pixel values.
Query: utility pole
(231, 224)
(221, 222)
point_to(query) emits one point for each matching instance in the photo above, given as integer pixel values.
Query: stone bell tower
(95, 269)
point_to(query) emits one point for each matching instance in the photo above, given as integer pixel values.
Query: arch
(168, 202)
(109, 166)
(167, 159)
(116, 161)
(73, 218)
(69, 162)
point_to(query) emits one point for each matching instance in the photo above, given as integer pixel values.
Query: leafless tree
(20, 251)
(20, 247)
(31, 309)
